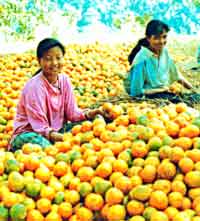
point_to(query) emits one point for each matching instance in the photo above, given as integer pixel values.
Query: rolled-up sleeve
(72, 112)
(36, 111)
(137, 79)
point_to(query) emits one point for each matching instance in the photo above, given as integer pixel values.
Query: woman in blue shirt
(153, 70)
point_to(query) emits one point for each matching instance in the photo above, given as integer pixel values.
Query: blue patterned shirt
(151, 72)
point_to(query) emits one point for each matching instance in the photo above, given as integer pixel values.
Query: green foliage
(18, 22)
(196, 3)
(143, 19)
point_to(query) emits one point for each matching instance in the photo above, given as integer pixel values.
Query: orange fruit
(63, 146)
(32, 163)
(163, 185)
(43, 205)
(10, 199)
(179, 186)
(158, 199)
(104, 153)
(194, 193)
(134, 170)
(166, 170)
(18, 212)
(181, 107)
(94, 201)
(120, 166)
(172, 129)
(186, 164)
(154, 143)
(60, 169)
(124, 184)
(148, 174)
(115, 176)
(165, 152)
(139, 149)
(53, 216)
(122, 120)
(1, 168)
(85, 188)
(194, 155)
(183, 142)
(177, 154)
(85, 173)
(29, 203)
(175, 199)
(43, 174)
(84, 214)
(47, 192)
(158, 216)
(135, 207)
(91, 161)
(34, 215)
(153, 161)
(136, 180)
(138, 162)
(48, 161)
(56, 184)
(104, 169)
(141, 192)
(171, 212)
(72, 197)
(86, 126)
(186, 203)
(113, 196)
(147, 212)
(65, 210)
(116, 212)
(16, 181)
(98, 130)
(195, 218)
(97, 144)
(192, 179)
(77, 164)
(137, 218)
(190, 131)
(76, 129)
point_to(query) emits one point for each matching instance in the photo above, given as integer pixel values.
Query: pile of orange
(129, 169)
(143, 165)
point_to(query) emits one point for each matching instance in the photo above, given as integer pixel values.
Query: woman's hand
(91, 114)
(55, 136)
(157, 90)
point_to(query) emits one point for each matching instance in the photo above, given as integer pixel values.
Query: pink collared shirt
(43, 107)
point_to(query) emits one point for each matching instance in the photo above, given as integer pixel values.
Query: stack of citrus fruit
(144, 165)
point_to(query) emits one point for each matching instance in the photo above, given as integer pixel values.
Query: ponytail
(37, 72)
(142, 42)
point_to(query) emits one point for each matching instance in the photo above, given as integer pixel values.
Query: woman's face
(52, 62)
(157, 43)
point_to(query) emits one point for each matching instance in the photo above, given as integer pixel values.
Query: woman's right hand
(55, 136)
(157, 90)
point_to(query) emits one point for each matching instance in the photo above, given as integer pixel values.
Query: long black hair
(45, 45)
(154, 27)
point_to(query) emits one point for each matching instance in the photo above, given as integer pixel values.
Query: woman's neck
(156, 52)
(51, 79)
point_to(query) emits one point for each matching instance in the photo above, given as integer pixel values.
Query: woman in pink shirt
(47, 101)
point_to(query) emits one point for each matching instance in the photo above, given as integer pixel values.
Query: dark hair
(154, 27)
(45, 45)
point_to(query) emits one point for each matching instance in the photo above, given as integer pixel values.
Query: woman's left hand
(91, 114)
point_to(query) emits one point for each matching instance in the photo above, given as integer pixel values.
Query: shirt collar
(149, 53)
(48, 85)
